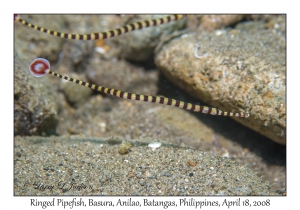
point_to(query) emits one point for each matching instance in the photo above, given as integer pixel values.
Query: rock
(234, 70)
(35, 104)
(74, 93)
(30, 43)
(76, 55)
(213, 22)
(139, 45)
(119, 74)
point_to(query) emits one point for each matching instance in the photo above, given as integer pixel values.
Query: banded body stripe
(104, 35)
(40, 67)
(152, 99)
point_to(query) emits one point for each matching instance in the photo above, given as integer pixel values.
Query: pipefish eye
(39, 67)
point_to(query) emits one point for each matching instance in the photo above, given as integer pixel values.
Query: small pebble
(192, 163)
(124, 148)
(154, 145)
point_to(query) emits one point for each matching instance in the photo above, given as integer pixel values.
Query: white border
(153, 6)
